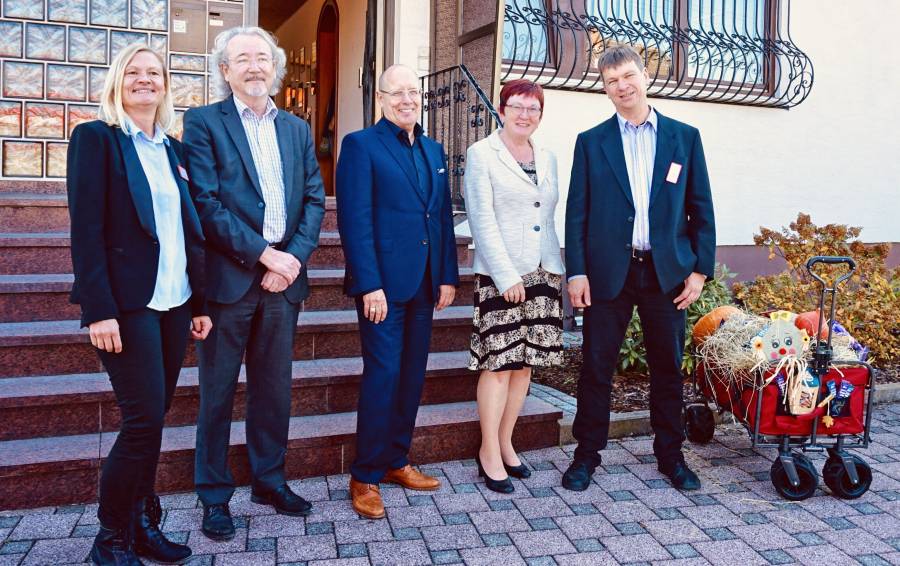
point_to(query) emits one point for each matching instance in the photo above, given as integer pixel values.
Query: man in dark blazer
(259, 194)
(639, 232)
(393, 205)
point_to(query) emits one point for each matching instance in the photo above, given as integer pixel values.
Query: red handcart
(759, 408)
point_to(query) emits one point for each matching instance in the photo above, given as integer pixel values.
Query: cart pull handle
(831, 260)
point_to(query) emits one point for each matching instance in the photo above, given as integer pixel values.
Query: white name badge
(674, 172)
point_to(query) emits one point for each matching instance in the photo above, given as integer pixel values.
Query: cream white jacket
(511, 219)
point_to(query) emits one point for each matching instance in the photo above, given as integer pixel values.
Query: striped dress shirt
(267, 159)
(639, 144)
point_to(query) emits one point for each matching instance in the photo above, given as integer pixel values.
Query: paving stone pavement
(630, 515)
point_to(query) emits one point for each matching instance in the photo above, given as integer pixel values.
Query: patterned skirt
(509, 336)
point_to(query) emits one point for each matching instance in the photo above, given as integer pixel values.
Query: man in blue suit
(259, 195)
(396, 225)
(639, 232)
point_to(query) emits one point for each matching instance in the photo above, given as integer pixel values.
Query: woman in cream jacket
(511, 194)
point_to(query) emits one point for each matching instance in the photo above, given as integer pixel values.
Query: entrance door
(326, 116)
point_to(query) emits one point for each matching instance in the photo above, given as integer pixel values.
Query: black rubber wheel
(699, 423)
(838, 481)
(806, 472)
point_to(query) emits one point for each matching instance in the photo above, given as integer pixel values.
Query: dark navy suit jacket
(226, 190)
(115, 250)
(600, 209)
(390, 229)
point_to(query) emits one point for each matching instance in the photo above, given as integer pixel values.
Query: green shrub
(633, 355)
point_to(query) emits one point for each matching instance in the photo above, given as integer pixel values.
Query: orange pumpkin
(711, 321)
(809, 321)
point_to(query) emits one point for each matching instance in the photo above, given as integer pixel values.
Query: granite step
(31, 212)
(63, 470)
(36, 297)
(59, 405)
(24, 253)
(28, 212)
(62, 347)
(32, 186)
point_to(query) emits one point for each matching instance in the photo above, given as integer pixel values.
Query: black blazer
(225, 185)
(600, 210)
(115, 251)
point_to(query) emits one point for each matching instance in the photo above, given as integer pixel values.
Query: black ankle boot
(149, 541)
(113, 548)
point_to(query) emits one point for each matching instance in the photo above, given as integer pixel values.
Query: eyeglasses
(524, 110)
(261, 61)
(412, 93)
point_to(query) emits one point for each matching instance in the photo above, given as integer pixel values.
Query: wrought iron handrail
(456, 112)
(728, 51)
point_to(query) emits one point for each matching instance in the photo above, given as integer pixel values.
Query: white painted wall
(835, 156)
(412, 34)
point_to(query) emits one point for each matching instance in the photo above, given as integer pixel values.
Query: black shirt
(416, 153)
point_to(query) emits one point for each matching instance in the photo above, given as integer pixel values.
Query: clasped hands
(375, 306)
(282, 269)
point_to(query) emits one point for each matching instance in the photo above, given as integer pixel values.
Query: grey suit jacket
(225, 187)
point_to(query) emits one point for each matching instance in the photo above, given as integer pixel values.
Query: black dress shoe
(217, 522)
(149, 541)
(578, 476)
(681, 476)
(521, 471)
(113, 548)
(500, 486)
(285, 501)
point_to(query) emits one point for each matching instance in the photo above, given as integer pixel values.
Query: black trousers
(143, 377)
(605, 323)
(262, 326)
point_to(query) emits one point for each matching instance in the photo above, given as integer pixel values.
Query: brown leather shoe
(411, 478)
(366, 499)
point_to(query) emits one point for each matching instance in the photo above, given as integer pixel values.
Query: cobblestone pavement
(629, 515)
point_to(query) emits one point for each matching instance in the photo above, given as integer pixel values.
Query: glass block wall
(53, 61)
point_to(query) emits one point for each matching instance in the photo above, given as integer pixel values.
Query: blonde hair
(111, 110)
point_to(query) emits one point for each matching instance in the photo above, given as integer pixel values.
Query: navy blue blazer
(115, 250)
(600, 209)
(389, 228)
(225, 186)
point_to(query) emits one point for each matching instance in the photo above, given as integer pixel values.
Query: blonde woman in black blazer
(511, 196)
(137, 254)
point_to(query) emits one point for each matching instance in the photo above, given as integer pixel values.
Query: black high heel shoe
(500, 486)
(521, 471)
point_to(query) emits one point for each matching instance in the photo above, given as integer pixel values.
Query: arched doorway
(326, 116)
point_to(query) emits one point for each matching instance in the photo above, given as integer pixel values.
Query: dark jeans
(143, 377)
(395, 354)
(262, 326)
(605, 323)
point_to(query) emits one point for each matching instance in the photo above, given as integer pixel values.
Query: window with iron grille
(731, 51)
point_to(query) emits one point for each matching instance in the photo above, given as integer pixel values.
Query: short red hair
(523, 87)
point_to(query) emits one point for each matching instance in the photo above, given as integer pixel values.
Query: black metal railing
(729, 51)
(456, 113)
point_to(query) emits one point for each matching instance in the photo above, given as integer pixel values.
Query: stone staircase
(58, 411)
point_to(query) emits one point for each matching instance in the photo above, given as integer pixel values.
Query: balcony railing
(456, 113)
(729, 51)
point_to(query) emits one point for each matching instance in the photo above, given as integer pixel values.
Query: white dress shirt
(172, 288)
(267, 158)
